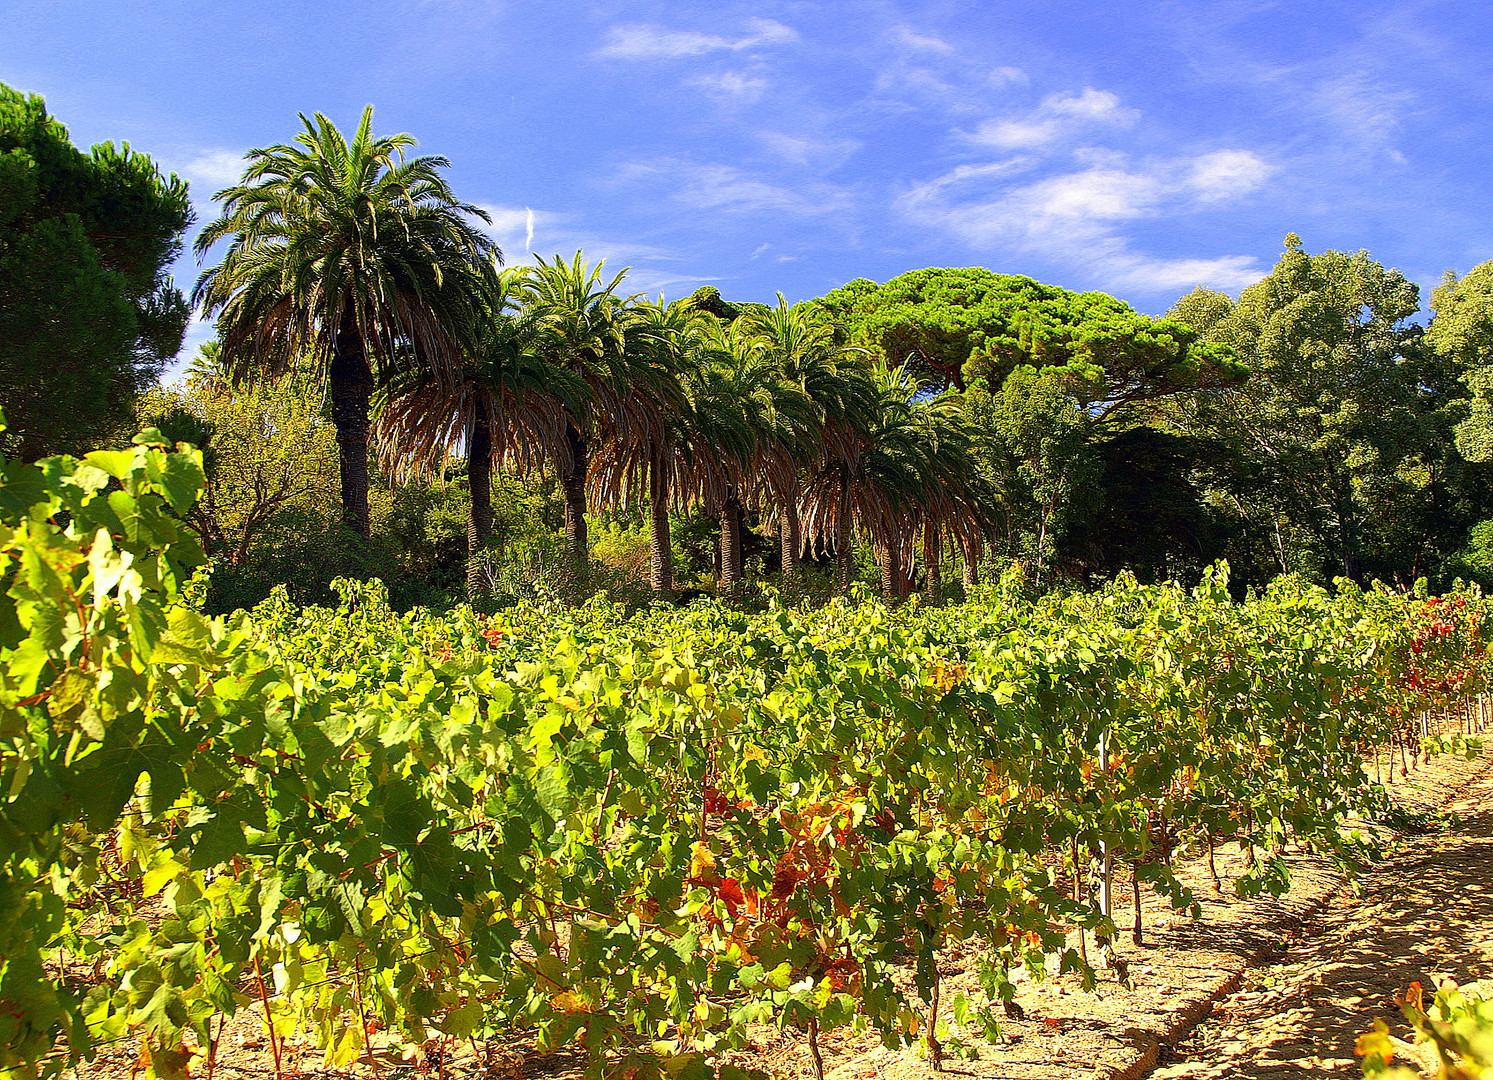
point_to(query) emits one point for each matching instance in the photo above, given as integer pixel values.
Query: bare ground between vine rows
(1307, 972)
(1424, 916)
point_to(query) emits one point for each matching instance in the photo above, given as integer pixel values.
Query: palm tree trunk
(731, 515)
(844, 557)
(933, 572)
(479, 485)
(349, 385)
(891, 571)
(791, 542)
(661, 553)
(573, 481)
(971, 568)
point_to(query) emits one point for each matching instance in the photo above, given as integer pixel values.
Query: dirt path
(1425, 915)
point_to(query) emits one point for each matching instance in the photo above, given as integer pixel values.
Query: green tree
(1342, 396)
(958, 497)
(1462, 333)
(1041, 449)
(1152, 517)
(878, 485)
(341, 255)
(956, 326)
(88, 316)
(743, 423)
(270, 450)
(1050, 375)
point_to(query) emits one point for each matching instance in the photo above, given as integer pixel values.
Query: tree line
(370, 337)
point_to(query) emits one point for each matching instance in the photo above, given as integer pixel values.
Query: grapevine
(633, 835)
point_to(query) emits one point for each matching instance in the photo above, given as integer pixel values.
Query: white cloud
(1096, 105)
(732, 87)
(730, 189)
(1015, 134)
(1359, 104)
(1058, 115)
(914, 41)
(920, 69)
(521, 233)
(647, 41)
(1076, 217)
(1226, 173)
(806, 149)
(214, 169)
(1093, 195)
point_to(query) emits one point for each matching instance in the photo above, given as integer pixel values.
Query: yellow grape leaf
(169, 1063)
(157, 879)
(345, 1050)
(569, 1002)
(1375, 1044)
(702, 859)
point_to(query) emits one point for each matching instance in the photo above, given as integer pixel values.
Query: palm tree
(832, 378)
(342, 255)
(652, 459)
(746, 422)
(506, 405)
(878, 484)
(585, 330)
(957, 497)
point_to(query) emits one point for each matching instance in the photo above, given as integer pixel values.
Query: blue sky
(1137, 148)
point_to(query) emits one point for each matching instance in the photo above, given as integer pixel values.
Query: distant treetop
(708, 299)
(962, 325)
(88, 316)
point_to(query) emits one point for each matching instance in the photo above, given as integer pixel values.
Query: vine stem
(814, 1054)
(1137, 932)
(1083, 935)
(212, 1044)
(269, 1021)
(601, 811)
(363, 1022)
(935, 1048)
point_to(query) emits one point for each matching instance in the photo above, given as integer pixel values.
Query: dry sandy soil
(1262, 988)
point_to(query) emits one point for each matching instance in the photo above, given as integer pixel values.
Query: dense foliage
(538, 431)
(631, 835)
(88, 317)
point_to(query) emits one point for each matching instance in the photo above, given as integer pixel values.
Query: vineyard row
(637, 836)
